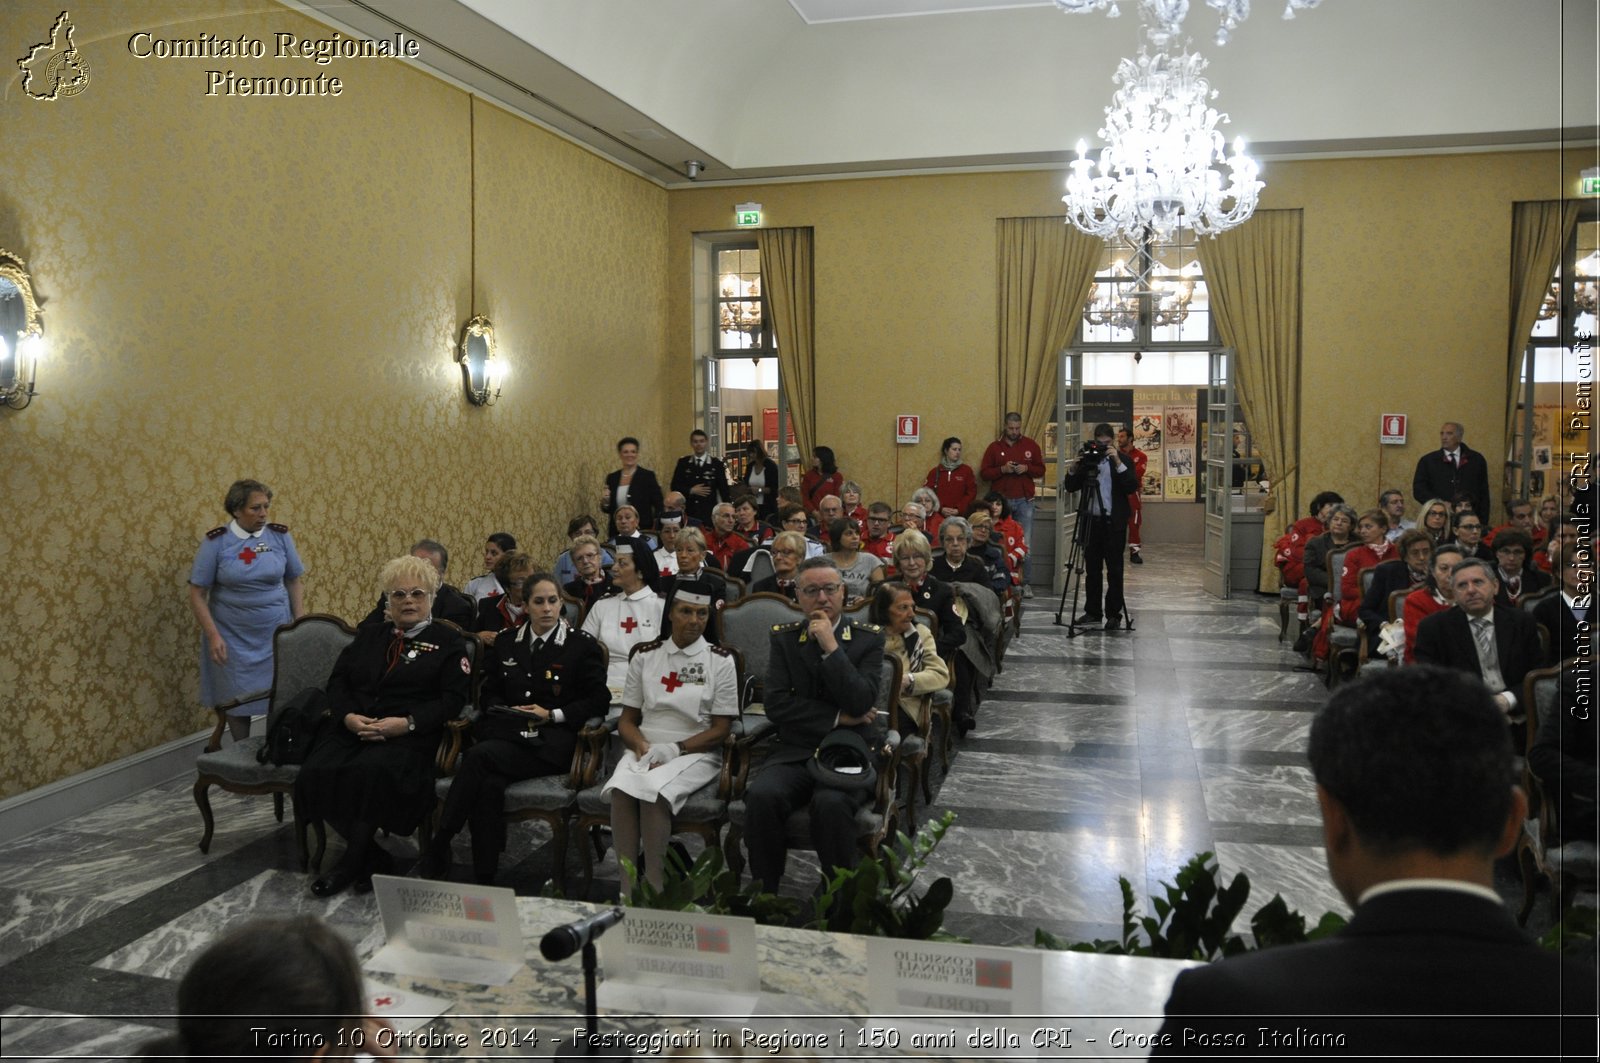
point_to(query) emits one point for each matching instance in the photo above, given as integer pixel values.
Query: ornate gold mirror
(480, 368)
(21, 332)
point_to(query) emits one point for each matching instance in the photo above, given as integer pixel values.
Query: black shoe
(362, 885)
(966, 725)
(1113, 622)
(1135, 559)
(1086, 619)
(334, 882)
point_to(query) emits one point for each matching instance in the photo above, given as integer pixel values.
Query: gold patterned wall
(1405, 301)
(270, 288)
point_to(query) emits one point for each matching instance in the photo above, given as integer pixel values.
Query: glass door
(1062, 445)
(1215, 575)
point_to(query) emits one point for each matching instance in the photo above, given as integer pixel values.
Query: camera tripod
(1073, 567)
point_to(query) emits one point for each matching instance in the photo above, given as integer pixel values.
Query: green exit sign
(1591, 186)
(751, 219)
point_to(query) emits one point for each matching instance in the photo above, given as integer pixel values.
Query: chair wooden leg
(558, 874)
(1530, 881)
(1283, 619)
(277, 805)
(300, 837)
(322, 845)
(731, 854)
(203, 799)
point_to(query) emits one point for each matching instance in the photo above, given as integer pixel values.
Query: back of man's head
(1420, 758)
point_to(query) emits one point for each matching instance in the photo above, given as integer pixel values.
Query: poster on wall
(1148, 437)
(1180, 426)
(1180, 478)
(1545, 418)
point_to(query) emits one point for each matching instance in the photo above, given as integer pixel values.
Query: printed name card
(931, 978)
(685, 963)
(447, 930)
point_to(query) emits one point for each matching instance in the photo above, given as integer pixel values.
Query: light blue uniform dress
(243, 576)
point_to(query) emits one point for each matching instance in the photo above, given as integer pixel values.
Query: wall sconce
(21, 333)
(481, 370)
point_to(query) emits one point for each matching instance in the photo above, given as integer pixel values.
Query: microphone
(563, 941)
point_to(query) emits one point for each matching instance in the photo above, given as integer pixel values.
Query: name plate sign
(932, 978)
(447, 930)
(680, 963)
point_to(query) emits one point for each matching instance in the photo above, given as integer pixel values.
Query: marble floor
(1112, 754)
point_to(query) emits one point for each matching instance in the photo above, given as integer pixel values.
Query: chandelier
(1144, 288)
(1163, 19)
(1158, 169)
(739, 316)
(1585, 293)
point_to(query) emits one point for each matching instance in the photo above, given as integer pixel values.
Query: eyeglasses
(415, 594)
(820, 590)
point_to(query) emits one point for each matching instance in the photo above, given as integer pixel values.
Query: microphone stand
(591, 962)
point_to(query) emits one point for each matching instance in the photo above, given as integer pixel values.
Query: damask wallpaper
(270, 287)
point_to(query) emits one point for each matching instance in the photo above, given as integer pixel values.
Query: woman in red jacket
(1437, 595)
(952, 480)
(821, 480)
(1372, 528)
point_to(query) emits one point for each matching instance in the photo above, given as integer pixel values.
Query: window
(742, 396)
(1149, 296)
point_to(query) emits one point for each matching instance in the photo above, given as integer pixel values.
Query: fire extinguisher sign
(908, 428)
(1392, 428)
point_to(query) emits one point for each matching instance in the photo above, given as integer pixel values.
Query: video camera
(1093, 451)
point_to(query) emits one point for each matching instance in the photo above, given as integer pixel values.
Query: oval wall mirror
(479, 369)
(21, 332)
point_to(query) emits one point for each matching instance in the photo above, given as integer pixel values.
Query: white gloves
(660, 753)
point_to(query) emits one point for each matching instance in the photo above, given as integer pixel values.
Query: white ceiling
(781, 88)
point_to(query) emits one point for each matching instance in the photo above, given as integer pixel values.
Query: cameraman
(1107, 480)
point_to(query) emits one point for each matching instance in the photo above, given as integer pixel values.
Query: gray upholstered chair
(304, 653)
(1540, 852)
(747, 628)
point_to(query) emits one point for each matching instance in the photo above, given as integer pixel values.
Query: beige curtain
(786, 274)
(1046, 268)
(1539, 231)
(1253, 274)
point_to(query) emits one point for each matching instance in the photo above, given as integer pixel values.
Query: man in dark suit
(1100, 470)
(823, 674)
(1418, 794)
(1496, 643)
(448, 604)
(701, 477)
(1453, 467)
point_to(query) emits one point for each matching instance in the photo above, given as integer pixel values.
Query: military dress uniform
(692, 471)
(565, 671)
(806, 694)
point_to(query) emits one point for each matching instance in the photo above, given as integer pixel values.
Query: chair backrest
(1530, 600)
(861, 613)
(303, 655)
(1366, 577)
(1335, 571)
(572, 610)
(760, 566)
(737, 588)
(747, 628)
(1397, 602)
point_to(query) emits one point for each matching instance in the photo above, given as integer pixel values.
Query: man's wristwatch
(411, 724)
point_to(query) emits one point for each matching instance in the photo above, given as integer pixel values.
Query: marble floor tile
(32, 918)
(1048, 877)
(1242, 687)
(1299, 873)
(1249, 729)
(1188, 652)
(989, 780)
(164, 952)
(1046, 722)
(1210, 624)
(36, 1034)
(1253, 794)
(1066, 677)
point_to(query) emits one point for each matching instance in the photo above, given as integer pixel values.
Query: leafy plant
(877, 897)
(1193, 921)
(1575, 931)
